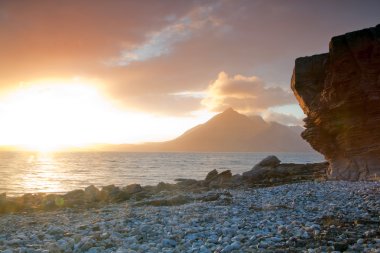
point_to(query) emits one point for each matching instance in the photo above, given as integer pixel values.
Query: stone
(64, 245)
(53, 248)
(266, 173)
(95, 250)
(168, 201)
(231, 247)
(186, 183)
(211, 175)
(51, 200)
(340, 94)
(161, 186)
(269, 161)
(221, 180)
(169, 243)
(341, 246)
(204, 249)
(275, 219)
(132, 188)
(210, 197)
(56, 231)
(360, 241)
(111, 193)
(72, 198)
(91, 193)
(237, 180)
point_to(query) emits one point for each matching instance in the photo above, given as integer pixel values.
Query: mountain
(229, 131)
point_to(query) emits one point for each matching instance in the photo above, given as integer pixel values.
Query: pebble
(169, 243)
(303, 217)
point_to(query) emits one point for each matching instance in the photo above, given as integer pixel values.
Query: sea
(24, 172)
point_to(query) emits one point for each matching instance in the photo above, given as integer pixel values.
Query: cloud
(164, 104)
(245, 94)
(285, 119)
(63, 39)
(160, 42)
(159, 48)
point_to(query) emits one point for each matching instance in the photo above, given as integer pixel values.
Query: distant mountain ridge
(228, 131)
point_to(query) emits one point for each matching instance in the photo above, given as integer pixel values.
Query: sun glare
(55, 115)
(50, 115)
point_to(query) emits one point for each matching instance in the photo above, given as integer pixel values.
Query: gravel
(303, 217)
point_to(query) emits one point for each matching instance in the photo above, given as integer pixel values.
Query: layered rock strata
(340, 94)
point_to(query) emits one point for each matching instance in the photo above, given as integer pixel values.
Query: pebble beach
(331, 216)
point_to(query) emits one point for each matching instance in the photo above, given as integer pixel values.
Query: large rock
(72, 198)
(268, 174)
(91, 194)
(340, 94)
(222, 179)
(211, 175)
(267, 164)
(269, 161)
(133, 188)
(111, 193)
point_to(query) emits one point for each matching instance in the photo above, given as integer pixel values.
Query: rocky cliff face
(340, 94)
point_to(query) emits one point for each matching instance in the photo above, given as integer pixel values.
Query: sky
(81, 71)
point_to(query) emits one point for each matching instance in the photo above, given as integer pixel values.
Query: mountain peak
(233, 131)
(229, 111)
(228, 115)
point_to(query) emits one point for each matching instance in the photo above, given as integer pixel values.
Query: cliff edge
(340, 93)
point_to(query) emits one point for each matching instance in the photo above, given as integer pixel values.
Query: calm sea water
(60, 172)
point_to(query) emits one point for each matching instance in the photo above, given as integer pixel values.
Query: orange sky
(173, 62)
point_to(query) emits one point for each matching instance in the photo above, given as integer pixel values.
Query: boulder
(187, 183)
(72, 198)
(263, 166)
(30, 200)
(266, 173)
(111, 193)
(340, 94)
(211, 175)
(237, 180)
(10, 206)
(132, 189)
(269, 161)
(161, 186)
(91, 194)
(50, 200)
(222, 179)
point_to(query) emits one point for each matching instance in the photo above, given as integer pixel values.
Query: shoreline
(121, 170)
(274, 207)
(269, 172)
(314, 216)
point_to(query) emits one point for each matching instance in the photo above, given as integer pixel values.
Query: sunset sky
(77, 72)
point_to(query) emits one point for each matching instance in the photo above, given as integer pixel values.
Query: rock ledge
(340, 94)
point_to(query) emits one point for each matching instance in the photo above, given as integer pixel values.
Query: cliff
(340, 93)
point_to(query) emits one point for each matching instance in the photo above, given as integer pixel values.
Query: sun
(51, 115)
(55, 115)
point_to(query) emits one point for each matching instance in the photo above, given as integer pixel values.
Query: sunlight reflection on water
(43, 174)
(61, 172)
